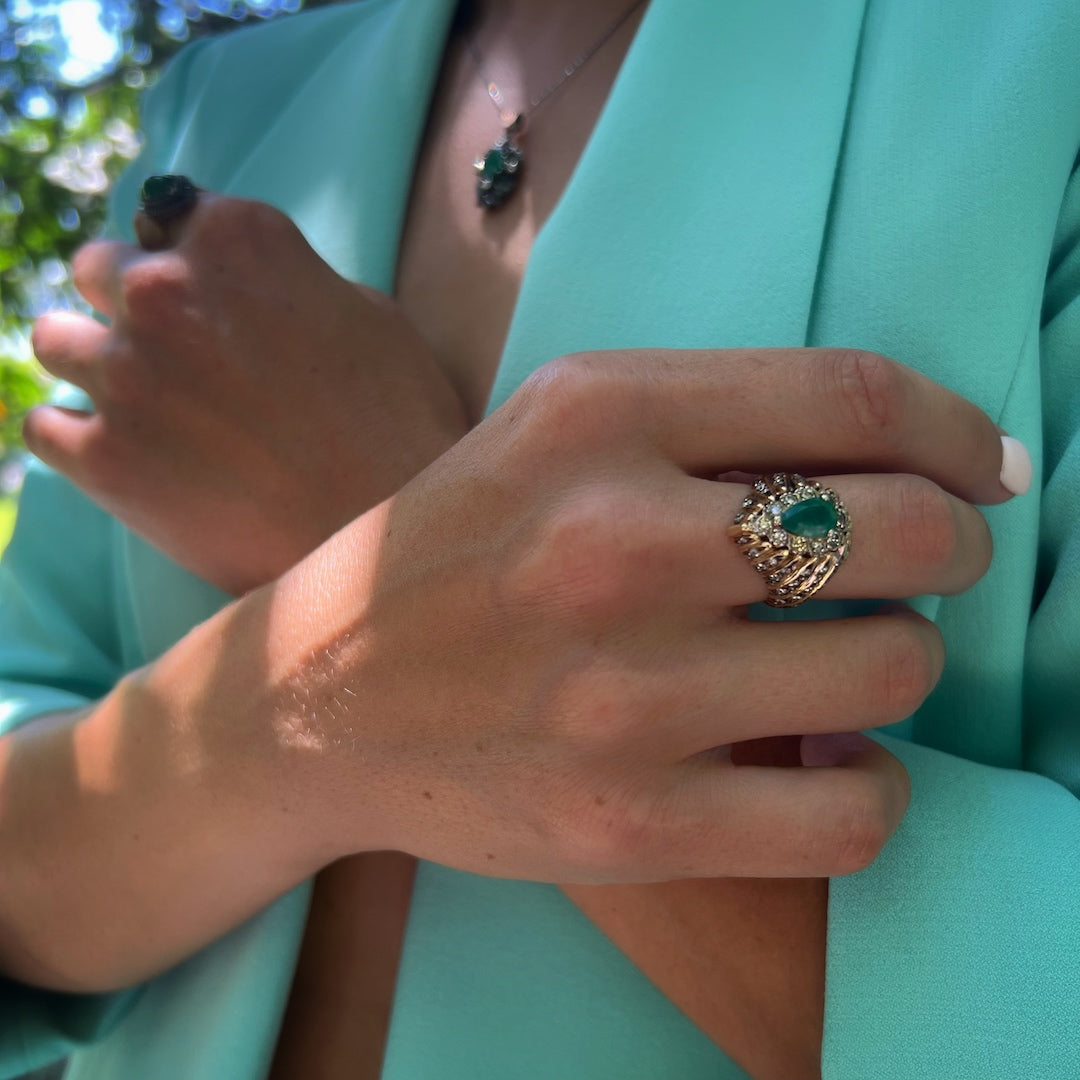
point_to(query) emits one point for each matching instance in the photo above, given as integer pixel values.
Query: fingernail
(825, 751)
(1015, 465)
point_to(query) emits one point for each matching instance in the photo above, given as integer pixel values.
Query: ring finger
(908, 537)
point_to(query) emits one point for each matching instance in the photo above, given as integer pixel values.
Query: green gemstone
(812, 518)
(160, 187)
(166, 197)
(494, 163)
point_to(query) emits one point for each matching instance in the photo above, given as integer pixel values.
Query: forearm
(137, 831)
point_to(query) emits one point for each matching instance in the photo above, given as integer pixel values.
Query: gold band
(795, 534)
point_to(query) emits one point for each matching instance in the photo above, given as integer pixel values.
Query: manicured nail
(825, 751)
(1015, 465)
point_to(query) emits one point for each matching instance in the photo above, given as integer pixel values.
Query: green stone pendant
(812, 518)
(499, 170)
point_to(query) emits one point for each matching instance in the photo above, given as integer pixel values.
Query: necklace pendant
(499, 170)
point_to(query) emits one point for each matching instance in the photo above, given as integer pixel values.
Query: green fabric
(898, 177)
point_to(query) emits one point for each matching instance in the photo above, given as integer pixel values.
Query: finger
(817, 410)
(795, 678)
(153, 235)
(69, 441)
(97, 270)
(909, 537)
(71, 346)
(755, 821)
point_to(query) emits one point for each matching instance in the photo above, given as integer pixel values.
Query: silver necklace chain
(499, 170)
(579, 61)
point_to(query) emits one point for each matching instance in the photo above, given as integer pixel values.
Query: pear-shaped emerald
(812, 518)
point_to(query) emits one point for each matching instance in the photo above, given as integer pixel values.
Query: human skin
(206, 253)
(632, 896)
(511, 665)
(235, 465)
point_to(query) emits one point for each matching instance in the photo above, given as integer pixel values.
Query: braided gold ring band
(795, 534)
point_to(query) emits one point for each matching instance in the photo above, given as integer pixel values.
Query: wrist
(243, 784)
(316, 704)
(265, 704)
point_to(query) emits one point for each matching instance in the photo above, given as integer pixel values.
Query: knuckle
(42, 337)
(603, 839)
(860, 830)
(905, 670)
(85, 264)
(593, 712)
(871, 393)
(925, 528)
(587, 556)
(568, 399)
(235, 227)
(156, 291)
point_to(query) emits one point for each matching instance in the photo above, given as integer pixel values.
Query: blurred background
(71, 74)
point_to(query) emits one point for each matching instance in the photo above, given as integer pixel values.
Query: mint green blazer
(894, 176)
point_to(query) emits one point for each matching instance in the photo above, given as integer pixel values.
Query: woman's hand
(248, 400)
(533, 652)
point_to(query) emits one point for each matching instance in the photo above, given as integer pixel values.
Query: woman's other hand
(248, 400)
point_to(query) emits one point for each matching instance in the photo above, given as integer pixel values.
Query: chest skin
(460, 268)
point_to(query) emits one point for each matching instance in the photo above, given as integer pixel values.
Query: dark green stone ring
(795, 534)
(165, 198)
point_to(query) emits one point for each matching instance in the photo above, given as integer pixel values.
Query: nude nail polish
(1015, 465)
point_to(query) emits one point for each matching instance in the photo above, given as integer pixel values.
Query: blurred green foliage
(62, 143)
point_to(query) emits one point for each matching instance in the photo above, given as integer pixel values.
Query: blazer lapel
(345, 175)
(697, 213)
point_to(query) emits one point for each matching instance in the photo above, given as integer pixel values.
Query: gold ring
(795, 533)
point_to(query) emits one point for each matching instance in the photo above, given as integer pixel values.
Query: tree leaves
(62, 144)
